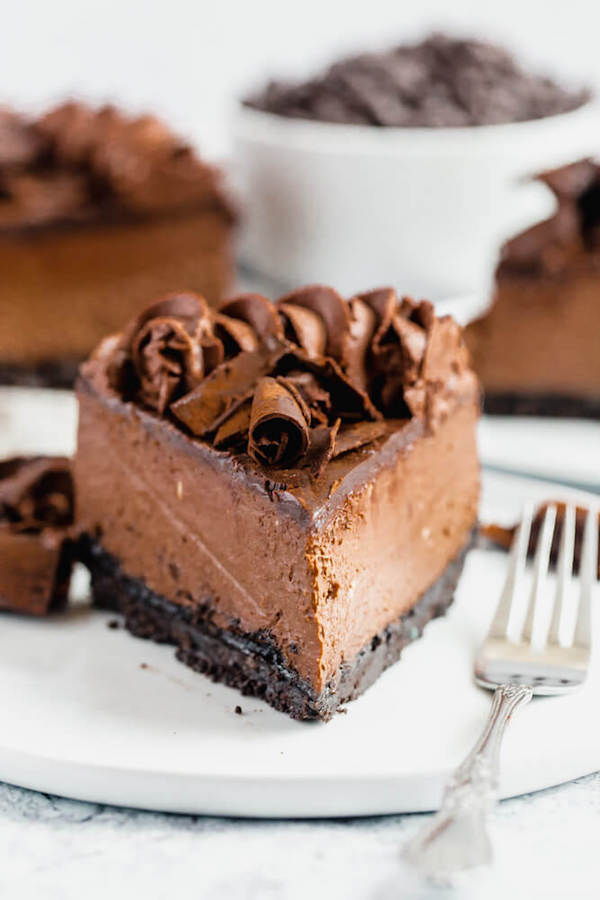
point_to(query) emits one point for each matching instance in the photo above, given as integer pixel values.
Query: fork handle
(456, 837)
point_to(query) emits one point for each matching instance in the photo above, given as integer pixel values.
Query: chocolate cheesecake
(537, 348)
(98, 211)
(285, 491)
(36, 552)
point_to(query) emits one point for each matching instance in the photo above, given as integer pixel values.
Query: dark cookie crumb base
(559, 405)
(252, 663)
(53, 373)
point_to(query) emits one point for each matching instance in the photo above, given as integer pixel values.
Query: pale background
(188, 60)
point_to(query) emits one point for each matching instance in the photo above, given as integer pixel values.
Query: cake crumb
(179, 490)
(114, 623)
(143, 665)
(238, 711)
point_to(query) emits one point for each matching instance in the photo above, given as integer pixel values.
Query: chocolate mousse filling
(253, 663)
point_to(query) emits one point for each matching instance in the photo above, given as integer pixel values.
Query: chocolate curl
(36, 493)
(236, 336)
(363, 324)
(20, 143)
(313, 394)
(165, 351)
(279, 425)
(167, 362)
(36, 510)
(304, 328)
(258, 312)
(33, 199)
(397, 352)
(331, 308)
(204, 408)
(347, 400)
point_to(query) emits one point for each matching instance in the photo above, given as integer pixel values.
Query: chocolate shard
(36, 553)
(233, 431)
(321, 447)
(279, 424)
(358, 434)
(327, 303)
(232, 381)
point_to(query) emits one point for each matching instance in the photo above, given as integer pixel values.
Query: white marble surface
(546, 846)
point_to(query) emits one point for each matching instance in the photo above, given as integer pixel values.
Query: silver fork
(516, 663)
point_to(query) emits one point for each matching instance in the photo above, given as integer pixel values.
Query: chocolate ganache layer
(304, 470)
(537, 348)
(36, 514)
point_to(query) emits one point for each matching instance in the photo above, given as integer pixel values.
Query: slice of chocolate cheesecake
(36, 514)
(537, 349)
(284, 491)
(98, 211)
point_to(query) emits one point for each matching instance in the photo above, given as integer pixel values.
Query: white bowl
(423, 209)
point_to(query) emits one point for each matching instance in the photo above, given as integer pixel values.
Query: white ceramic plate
(93, 713)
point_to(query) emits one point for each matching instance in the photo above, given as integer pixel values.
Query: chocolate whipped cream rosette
(414, 154)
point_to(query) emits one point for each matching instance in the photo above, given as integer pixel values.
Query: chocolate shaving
(349, 401)
(358, 434)
(36, 493)
(234, 429)
(322, 447)
(279, 424)
(233, 380)
(363, 325)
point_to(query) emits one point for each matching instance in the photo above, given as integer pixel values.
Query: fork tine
(565, 568)
(516, 568)
(540, 569)
(588, 573)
